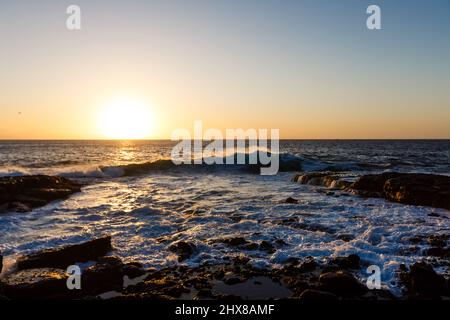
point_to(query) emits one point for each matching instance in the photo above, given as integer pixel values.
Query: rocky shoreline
(42, 275)
(407, 188)
(24, 193)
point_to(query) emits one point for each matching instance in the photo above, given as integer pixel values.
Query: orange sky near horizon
(309, 69)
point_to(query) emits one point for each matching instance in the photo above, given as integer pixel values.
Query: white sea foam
(146, 214)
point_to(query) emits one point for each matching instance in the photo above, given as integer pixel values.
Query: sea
(133, 192)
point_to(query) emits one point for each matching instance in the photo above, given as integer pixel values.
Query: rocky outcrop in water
(43, 275)
(423, 282)
(305, 279)
(408, 188)
(66, 255)
(22, 194)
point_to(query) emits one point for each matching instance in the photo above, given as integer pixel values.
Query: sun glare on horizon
(126, 119)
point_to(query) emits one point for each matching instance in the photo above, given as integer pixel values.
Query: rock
(423, 280)
(267, 246)
(345, 237)
(234, 241)
(102, 277)
(324, 179)
(372, 185)
(317, 295)
(438, 252)
(133, 269)
(66, 255)
(409, 188)
(308, 264)
(349, 262)
(342, 283)
(291, 200)
(43, 283)
(183, 249)
(1, 263)
(22, 194)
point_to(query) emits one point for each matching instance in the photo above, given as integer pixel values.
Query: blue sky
(310, 68)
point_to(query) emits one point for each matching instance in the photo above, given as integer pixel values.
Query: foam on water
(147, 212)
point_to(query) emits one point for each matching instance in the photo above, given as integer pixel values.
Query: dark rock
(293, 261)
(438, 252)
(345, 237)
(433, 214)
(267, 246)
(66, 255)
(342, 283)
(22, 194)
(102, 277)
(349, 262)
(41, 283)
(183, 249)
(324, 179)
(409, 188)
(423, 280)
(250, 246)
(1, 263)
(133, 269)
(308, 264)
(291, 200)
(372, 185)
(317, 295)
(240, 260)
(234, 241)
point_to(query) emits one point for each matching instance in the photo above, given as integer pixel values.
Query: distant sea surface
(146, 212)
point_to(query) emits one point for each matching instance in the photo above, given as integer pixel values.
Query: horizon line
(282, 139)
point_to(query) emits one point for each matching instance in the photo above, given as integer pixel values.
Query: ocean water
(146, 208)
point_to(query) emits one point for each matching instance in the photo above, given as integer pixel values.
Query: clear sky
(310, 68)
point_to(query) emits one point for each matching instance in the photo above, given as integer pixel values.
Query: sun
(126, 118)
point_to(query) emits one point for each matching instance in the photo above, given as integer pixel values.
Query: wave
(287, 163)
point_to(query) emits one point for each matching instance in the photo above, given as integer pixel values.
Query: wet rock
(324, 179)
(423, 280)
(349, 262)
(240, 260)
(66, 255)
(291, 200)
(317, 295)
(409, 188)
(438, 252)
(133, 269)
(267, 246)
(22, 194)
(43, 283)
(293, 261)
(102, 277)
(183, 249)
(234, 241)
(281, 243)
(345, 237)
(372, 185)
(341, 283)
(308, 264)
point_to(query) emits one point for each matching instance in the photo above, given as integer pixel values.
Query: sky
(309, 68)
